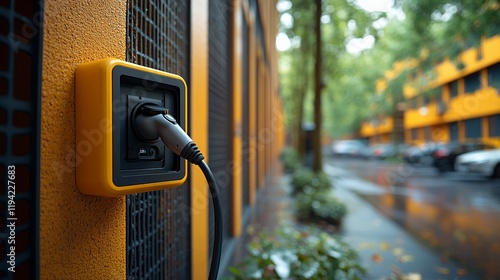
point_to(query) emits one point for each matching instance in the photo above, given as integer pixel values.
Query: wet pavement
(456, 217)
(391, 234)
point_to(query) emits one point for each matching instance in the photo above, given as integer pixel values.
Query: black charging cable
(217, 250)
(150, 122)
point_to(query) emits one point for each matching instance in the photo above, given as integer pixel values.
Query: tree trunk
(318, 85)
(299, 133)
(301, 86)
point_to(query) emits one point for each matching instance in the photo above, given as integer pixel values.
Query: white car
(348, 148)
(486, 162)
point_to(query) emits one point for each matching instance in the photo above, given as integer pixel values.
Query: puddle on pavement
(464, 229)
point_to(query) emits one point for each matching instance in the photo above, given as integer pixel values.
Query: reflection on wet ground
(456, 214)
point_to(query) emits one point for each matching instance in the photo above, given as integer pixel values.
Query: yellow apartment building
(465, 106)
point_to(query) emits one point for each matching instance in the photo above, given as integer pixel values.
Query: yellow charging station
(111, 159)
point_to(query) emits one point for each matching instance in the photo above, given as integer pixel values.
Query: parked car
(485, 162)
(367, 152)
(387, 150)
(348, 148)
(445, 157)
(421, 154)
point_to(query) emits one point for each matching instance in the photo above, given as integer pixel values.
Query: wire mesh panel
(257, 27)
(158, 34)
(220, 107)
(159, 223)
(20, 79)
(245, 117)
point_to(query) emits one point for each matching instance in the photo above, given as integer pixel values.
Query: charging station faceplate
(115, 160)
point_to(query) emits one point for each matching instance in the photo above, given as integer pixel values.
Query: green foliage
(350, 94)
(303, 179)
(290, 159)
(315, 206)
(440, 28)
(433, 92)
(314, 201)
(348, 82)
(447, 27)
(306, 254)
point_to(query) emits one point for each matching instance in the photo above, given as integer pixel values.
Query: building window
(414, 134)
(473, 128)
(453, 88)
(427, 133)
(472, 82)
(454, 131)
(439, 95)
(426, 99)
(494, 126)
(494, 76)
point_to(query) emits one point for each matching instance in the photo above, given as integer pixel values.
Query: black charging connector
(151, 122)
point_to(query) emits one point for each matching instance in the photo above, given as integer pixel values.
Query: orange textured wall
(81, 236)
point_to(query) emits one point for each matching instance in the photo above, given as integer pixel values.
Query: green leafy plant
(292, 254)
(313, 198)
(305, 178)
(290, 159)
(319, 206)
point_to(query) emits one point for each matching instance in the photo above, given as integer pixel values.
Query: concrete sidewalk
(384, 246)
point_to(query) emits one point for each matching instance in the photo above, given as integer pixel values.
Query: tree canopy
(441, 27)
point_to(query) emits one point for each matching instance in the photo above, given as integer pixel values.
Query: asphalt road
(457, 215)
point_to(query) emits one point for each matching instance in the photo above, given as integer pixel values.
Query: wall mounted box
(111, 159)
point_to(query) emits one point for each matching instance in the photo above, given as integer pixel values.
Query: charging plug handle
(153, 121)
(150, 126)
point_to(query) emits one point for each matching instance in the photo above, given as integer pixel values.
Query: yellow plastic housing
(94, 129)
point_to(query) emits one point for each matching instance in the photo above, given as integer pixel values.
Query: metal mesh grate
(157, 34)
(245, 118)
(158, 223)
(220, 108)
(20, 72)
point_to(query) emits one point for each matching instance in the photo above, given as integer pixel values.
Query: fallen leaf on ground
(384, 246)
(443, 270)
(405, 258)
(461, 272)
(366, 245)
(397, 251)
(413, 276)
(377, 258)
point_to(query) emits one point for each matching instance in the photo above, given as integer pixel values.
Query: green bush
(313, 198)
(290, 159)
(318, 206)
(292, 254)
(303, 179)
